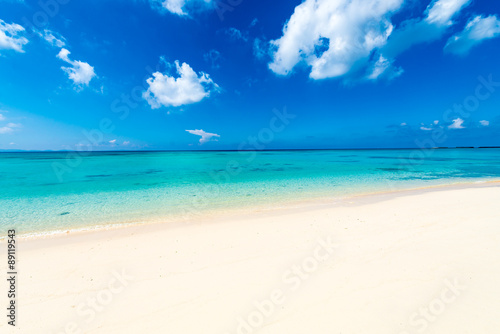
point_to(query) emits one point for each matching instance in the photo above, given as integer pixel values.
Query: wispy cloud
(52, 38)
(9, 128)
(432, 26)
(384, 67)
(260, 48)
(236, 34)
(440, 12)
(205, 136)
(11, 36)
(477, 30)
(213, 57)
(187, 88)
(484, 123)
(181, 7)
(254, 22)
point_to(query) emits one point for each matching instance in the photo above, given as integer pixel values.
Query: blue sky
(232, 74)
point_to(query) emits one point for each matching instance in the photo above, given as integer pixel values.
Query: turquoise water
(43, 192)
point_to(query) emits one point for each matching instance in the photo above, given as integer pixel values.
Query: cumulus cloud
(9, 128)
(80, 72)
(179, 7)
(52, 38)
(10, 37)
(456, 124)
(332, 36)
(187, 88)
(205, 136)
(484, 123)
(477, 30)
(2, 117)
(341, 37)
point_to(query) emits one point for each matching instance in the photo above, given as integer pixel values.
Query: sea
(55, 192)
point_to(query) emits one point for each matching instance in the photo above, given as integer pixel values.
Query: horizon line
(264, 150)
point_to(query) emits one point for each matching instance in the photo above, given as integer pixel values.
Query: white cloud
(80, 73)
(205, 136)
(126, 143)
(384, 67)
(2, 117)
(484, 123)
(430, 127)
(53, 38)
(476, 30)
(174, 6)
(436, 21)
(189, 87)
(10, 38)
(178, 7)
(112, 141)
(9, 128)
(403, 124)
(332, 36)
(346, 37)
(440, 12)
(457, 124)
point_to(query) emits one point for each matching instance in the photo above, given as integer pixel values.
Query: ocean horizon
(45, 192)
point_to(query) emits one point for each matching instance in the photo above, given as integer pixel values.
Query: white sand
(395, 259)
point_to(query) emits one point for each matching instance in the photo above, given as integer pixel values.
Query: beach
(416, 261)
(231, 167)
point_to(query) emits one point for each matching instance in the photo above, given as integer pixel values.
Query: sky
(237, 74)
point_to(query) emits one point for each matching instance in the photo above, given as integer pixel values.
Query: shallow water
(59, 191)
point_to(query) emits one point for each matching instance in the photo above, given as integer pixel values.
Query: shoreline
(380, 258)
(256, 211)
